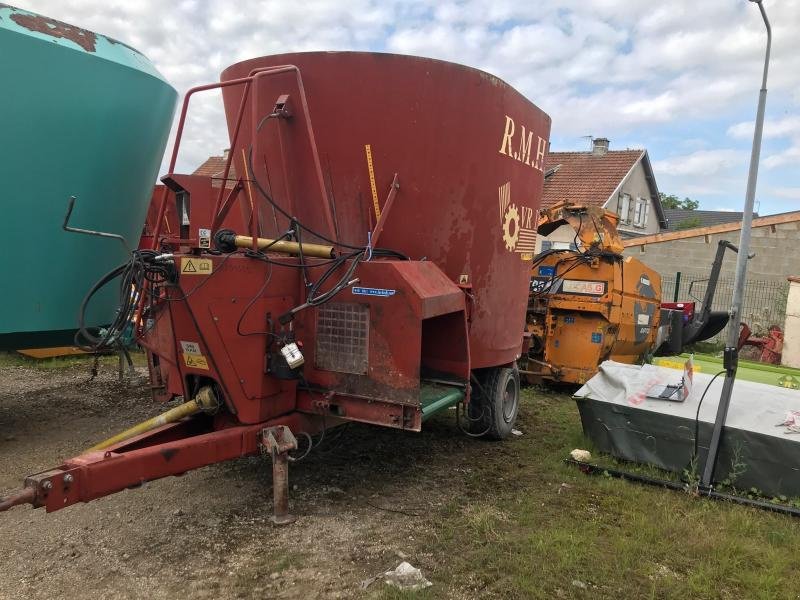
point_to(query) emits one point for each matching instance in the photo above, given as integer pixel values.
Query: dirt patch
(365, 500)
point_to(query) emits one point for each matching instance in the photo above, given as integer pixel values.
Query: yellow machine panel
(588, 305)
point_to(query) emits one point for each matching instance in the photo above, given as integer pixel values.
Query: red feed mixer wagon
(381, 275)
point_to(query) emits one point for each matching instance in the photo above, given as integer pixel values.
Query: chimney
(227, 151)
(599, 146)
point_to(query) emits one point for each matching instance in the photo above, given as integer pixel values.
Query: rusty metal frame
(249, 82)
(222, 212)
(361, 409)
(172, 449)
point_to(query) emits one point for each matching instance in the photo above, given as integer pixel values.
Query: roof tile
(585, 178)
(214, 167)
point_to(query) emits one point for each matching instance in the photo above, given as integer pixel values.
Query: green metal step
(436, 398)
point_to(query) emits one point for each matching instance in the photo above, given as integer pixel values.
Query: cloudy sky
(679, 78)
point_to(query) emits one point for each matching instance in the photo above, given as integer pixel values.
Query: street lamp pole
(731, 353)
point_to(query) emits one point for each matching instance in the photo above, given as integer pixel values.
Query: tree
(672, 201)
(689, 223)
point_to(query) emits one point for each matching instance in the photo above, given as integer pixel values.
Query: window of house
(640, 213)
(624, 208)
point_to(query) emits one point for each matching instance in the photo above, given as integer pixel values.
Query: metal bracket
(283, 107)
(114, 236)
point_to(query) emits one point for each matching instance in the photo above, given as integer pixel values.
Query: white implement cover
(759, 445)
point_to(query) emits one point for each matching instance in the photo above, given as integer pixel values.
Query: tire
(493, 417)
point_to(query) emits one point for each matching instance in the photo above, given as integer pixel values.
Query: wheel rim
(509, 400)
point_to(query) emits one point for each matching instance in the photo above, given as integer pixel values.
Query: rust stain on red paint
(57, 29)
(168, 453)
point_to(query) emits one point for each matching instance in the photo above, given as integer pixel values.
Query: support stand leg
(277, 441)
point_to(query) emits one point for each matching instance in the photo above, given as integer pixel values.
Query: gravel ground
(365, 502)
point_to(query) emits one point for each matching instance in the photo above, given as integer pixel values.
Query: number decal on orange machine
(578, 286)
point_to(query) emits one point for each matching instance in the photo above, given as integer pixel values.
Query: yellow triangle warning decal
(196, 266)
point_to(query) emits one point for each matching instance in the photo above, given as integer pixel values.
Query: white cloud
(790, 156)
(793, 193)
(787, 127)
(597, 66)
(700, 163)
(773, 128)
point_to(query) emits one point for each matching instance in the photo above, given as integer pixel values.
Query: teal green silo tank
(82, 115)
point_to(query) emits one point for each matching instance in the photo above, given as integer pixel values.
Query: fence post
(677, 285)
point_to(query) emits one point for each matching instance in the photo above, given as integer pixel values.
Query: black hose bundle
(143, 266)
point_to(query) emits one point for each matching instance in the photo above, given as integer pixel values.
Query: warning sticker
(196, 361)
(204, 238)
(190, 347)
(196, 266)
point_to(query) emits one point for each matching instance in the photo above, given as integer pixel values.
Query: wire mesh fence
(764, 302)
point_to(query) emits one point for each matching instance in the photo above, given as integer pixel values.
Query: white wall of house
(791, 330)
(634, 195)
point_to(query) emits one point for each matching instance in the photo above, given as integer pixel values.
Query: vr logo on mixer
(518, 224)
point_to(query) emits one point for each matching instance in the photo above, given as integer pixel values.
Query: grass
(747, 370)
(529, 526)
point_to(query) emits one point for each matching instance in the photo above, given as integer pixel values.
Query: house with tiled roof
(621, 181)
(214, 167)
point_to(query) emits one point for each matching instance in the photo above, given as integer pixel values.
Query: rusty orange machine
(588, 305)
(591, 304)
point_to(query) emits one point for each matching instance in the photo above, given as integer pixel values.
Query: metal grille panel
(342, 338)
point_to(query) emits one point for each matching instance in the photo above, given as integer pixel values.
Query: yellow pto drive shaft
(285, 247)
(205, 401)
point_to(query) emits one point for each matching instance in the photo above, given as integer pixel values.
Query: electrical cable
(299, 237)
(579, 259)
(309, 446)
(468, 433)
(697, 414)
(249, 306)
(577, 232)
(280, 209)
(487, 404)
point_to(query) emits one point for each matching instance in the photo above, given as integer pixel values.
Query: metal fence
(764, 302)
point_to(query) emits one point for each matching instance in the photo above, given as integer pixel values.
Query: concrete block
(791, 331)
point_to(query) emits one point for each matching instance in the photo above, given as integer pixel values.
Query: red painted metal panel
(466, 147)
